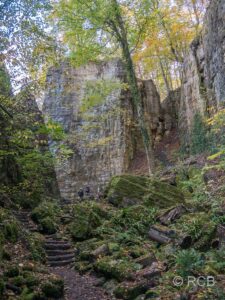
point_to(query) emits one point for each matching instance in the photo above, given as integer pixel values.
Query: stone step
(57, 246)
(53, 236)
(49, 241)
(60, 263)
(33, 229)
(22, 214)
(59, 252)
(60, 257)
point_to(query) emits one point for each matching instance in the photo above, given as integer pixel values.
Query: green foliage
(12, 272)
(199, 142)
(216, 261)
(5, 86)
(89, 28)
(36, 247)
(188, 261)
(135, 219)
(53, 289)
(46, 215)
(11, 232)
(97, 91)
(200, 227)
(48, 225)
(86, 218)
(25, 161)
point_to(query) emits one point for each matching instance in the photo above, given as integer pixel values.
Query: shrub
(199, 142)
(46, 215)
(187, 261)
(35, 245)
(11, 232)
(53, 289)
(86, 218)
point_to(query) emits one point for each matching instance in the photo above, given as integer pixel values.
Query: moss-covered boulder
(142, 189)
(130, 290)
(119, 269)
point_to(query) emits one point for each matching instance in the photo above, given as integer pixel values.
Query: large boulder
(126, 190)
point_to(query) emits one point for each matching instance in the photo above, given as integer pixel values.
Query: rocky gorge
(133, 234)
(104, 139)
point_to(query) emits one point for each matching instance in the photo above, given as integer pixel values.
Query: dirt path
(79, 287)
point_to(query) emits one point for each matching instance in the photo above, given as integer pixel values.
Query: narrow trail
(79, 287)
(60, 256)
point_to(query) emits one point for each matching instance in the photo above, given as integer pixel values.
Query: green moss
(130, 290)
(141, 189)
(119, 269)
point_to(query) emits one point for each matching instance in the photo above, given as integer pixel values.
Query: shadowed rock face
(105, 137)
(203, 75)
(203, 83)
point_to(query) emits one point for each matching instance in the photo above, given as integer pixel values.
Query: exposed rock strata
(105, 137)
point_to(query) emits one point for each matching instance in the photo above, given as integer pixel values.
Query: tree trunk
(164, 76)
(137, 102)
(134, 89)
(172, 214)
(163, 235)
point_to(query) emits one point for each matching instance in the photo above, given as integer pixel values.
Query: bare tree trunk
(164, 76)
(134, 89)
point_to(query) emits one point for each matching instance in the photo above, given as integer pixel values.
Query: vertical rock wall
(103, 138)
(203, 84)
(97, 136)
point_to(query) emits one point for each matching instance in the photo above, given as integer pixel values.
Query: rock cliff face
(203, 83)
(104, 137)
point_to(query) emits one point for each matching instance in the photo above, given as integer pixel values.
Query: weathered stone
(100, 251)
(150, 272)
(131, 289)
(103, 138)
(203, 76)
(146, 260)
(151, 192)
(172, 214)
(204, 73)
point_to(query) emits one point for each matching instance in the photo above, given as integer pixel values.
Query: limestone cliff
(203, 74)
(104, 138)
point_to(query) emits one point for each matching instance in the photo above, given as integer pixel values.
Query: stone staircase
(59, 251)
(23, 216)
